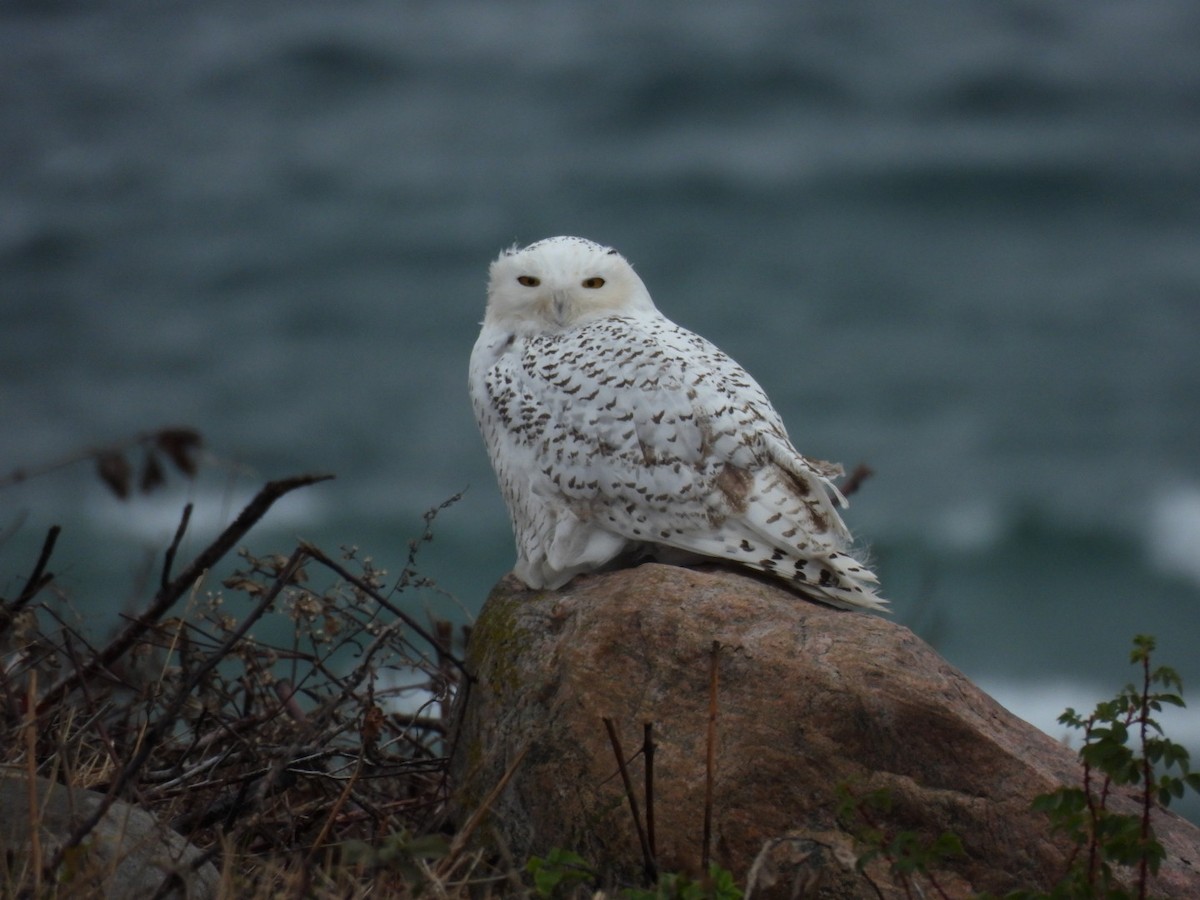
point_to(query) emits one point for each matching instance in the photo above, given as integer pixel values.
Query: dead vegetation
(308, 765)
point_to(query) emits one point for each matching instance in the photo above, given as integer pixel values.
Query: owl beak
(561, 302)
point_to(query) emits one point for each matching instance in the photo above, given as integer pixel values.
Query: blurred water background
(959, 242)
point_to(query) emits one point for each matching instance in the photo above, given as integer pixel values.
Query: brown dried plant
(308, 763)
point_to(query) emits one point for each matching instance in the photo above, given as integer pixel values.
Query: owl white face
(559, 283)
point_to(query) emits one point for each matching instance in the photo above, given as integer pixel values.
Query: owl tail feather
(827, 574)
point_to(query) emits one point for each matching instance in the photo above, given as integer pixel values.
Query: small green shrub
(1158, 767)
(558, 873)
(1123, 745)
(719, 885)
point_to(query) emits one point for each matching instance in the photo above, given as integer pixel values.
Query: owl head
(560, 283)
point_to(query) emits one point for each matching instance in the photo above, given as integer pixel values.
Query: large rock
(129, 855)
(809, 699)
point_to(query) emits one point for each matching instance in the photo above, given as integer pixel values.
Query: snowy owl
(618, 436)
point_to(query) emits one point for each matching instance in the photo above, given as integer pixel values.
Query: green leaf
(723, 886)
(1175, 755)
(1143, 646)
(1168, 788)
(1064, 799)
(1110, 839)
(1071, 718)
(559, 868)
(1168, 676)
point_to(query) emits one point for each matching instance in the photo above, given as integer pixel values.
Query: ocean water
(959, 242)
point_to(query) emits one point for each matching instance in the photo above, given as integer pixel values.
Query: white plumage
(616, 436)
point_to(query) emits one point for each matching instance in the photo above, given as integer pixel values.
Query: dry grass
(312, 765)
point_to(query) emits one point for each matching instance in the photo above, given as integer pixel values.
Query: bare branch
(168, 719)
(171, 592)
(169, 558)
(37, 579)
(649, 863)
(710, 755)
(443, 653)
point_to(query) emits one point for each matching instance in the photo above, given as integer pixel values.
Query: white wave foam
(970, 526)
(406, 691)
(1173, 535)
(1041, 703)
(155, 517)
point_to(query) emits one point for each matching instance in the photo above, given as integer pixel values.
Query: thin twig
(318, 556)
(35, 817)
(855, 479)
(409, 574)
(36, 580)
(648, 753)
(1094, 810)
(445, 676)
(179, 437)
(167, 721)
(459, 843)
(16, 476)
(651, 867)
(1147, 778)
(169, 594)
(90, 703)
(335, 810)
(710, 755)
(169, 557)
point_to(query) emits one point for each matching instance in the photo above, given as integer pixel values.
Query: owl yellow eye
(528, 280)
(593, 282)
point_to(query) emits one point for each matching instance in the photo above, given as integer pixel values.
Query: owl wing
(632, 430)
